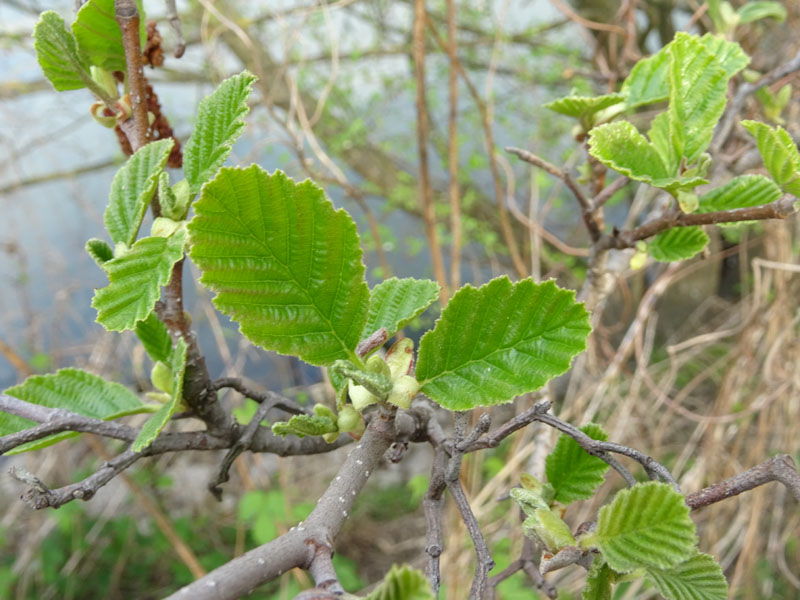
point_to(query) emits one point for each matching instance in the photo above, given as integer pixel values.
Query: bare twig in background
(423, 125)
(175, 23)
(452, 144)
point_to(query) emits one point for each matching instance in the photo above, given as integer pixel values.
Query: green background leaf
(284, 263)
(99, 37)
(740, 192)
(699, 578)
(71, 389)
(159, 419)
(500, 340)
(57, 54)
(779, 153)
(678, 243)
(647, 525)
(403, 583)
(220, 121)
(755, 11)
(394, 303)
(155, 338)
(132, 189)
(136, 279)
(572, 471)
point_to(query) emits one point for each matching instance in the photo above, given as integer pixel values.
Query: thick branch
(127, 17)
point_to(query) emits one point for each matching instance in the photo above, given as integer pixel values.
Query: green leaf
(584, 107)
(647, 82)
(548, 529)
(599, 581)
(58, 55)
(620, 146)
(779, 153)
(73, 390)
(159, 419)
(220, 121)
(394, 303)
(699, 578)
(132, 189)
(755, 11)
(98, 35)
(100, 251)
(729, 55)
(284, 263)
(678, 243)
(500, 340)
(647, 525)
(572, 471)
(697, 95)
(155, 338)
(403, 583)
(136, 278)
(740, 192)
(303, 425)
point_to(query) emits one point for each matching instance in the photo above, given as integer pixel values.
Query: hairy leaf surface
(678, 243)
(100, 251)
(159, 419)
(403, 583)
(647, 82)
(741, 192)
(599, 581)
(779, 153)
(132, 188)
(74, 390)
(572, 471)
(583, 107)
(394, 303)
(58, 55)
(220, 122)
(155, 338)
(698, 86)
(284, 263)
(729, 55)
(647, 525)
(98, 35)
(136, 279)
(620, 146)
(699, 578)
(500, 340)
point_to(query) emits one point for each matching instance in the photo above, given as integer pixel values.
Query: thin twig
(271, 399)
(175, 23)
(452, 145)
(423, 125)
(605, 195)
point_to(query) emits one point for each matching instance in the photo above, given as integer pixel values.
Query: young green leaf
(132, 189)
(779, 153)
(620, 146)
(403, 583)
(678, 243)
(155, 338)
(647, 525)
(729, 55)
(500, 340)
(100, 251)
(547, 528)
(698, 85)
(136, 279)
(394, 303)
(159, 419)
(647, 81)
(699, 578)
(584, 107)
(73, 390)
(761, 9)
(740, 192)
(303, 425)
(99, 37)
(58, 55)
(220, 121)
(572, 471)
(599, 581)
(284, 263)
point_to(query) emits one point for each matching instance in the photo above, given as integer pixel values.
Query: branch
(299, 547)
(780, 209)
(587, 208)
(271, 399)
(526, 562)
(175, 23)
(778, 468)
(127, 17)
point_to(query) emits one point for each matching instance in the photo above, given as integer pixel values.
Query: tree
(287, 267)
